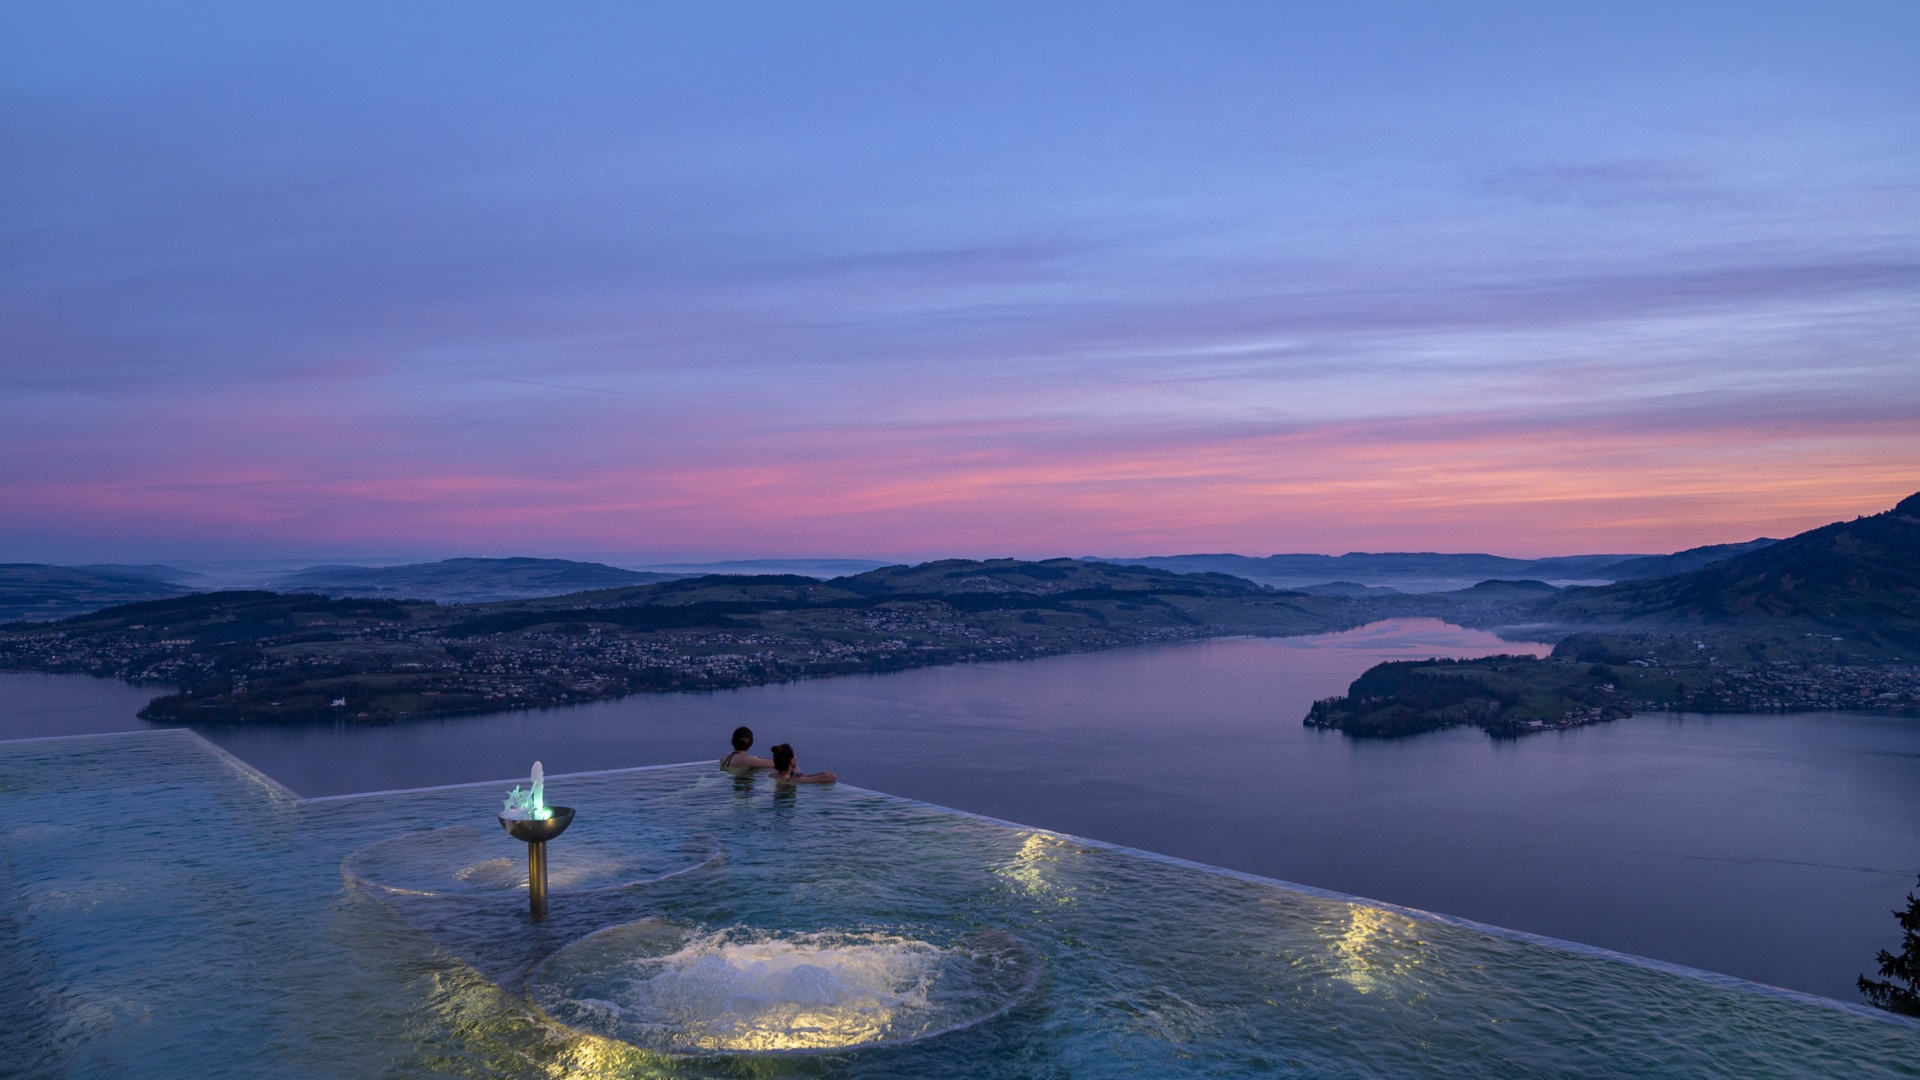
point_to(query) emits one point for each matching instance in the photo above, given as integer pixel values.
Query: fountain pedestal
(535, 832)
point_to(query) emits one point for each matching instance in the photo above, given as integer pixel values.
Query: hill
(1803, 623)
(1680, 562)
(1039, 578)
(816, 568)
(156, 571)
(36, 591)
(1859, 580)
(1346, 588)
(466, 581)
(264, 657)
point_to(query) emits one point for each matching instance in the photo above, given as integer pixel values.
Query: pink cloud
(316, 475)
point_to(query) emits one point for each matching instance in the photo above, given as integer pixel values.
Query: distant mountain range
(1429, 571)
(35, 591)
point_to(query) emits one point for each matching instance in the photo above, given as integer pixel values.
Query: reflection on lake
(1771, 847)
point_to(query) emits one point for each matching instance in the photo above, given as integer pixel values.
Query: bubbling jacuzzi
(680, 989)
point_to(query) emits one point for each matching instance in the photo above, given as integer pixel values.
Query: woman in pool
(785, 771)
(738, 758)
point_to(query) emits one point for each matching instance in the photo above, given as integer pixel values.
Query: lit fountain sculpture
(527, 817)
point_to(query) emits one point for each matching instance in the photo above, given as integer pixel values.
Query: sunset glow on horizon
(881, 282)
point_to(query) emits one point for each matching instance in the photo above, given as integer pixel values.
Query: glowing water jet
(527, 817)
(529, 805)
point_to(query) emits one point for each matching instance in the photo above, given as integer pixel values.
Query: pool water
(169, 912)
(1768, 847)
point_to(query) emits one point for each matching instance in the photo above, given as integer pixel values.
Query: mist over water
(1770, 847)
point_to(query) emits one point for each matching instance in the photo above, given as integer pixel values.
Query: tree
(1885, 993)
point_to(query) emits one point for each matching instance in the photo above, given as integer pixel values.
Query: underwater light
(683, 989)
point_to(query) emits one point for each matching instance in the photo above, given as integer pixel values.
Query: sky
(728, 280)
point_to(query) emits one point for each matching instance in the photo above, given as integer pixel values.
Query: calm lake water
(1769, 847)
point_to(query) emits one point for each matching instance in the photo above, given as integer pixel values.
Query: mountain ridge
(465, 580)
(1441, 570)
(1858, 577)
(45, 591)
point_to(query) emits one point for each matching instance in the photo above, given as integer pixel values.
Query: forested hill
(41, 591)
(1680, 562)
(1859, 579)
(465, 581)
(1040, 578)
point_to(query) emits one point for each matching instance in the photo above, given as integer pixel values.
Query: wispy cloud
(1231, 282)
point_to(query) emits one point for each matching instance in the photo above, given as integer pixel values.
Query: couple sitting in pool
(784, 769)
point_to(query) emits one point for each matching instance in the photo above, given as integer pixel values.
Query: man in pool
(787, 772)
(738, 758)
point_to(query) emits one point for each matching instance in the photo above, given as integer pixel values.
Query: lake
(1768, 847)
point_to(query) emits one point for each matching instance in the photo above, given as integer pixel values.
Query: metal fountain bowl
(542, 830)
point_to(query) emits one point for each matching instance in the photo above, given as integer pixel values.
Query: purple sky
(879, 280)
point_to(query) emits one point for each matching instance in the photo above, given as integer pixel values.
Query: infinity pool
(171, 913)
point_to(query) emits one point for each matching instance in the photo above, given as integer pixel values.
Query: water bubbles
(664, 986)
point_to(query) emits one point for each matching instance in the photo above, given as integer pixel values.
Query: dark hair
(782, 758)
(742, 738)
